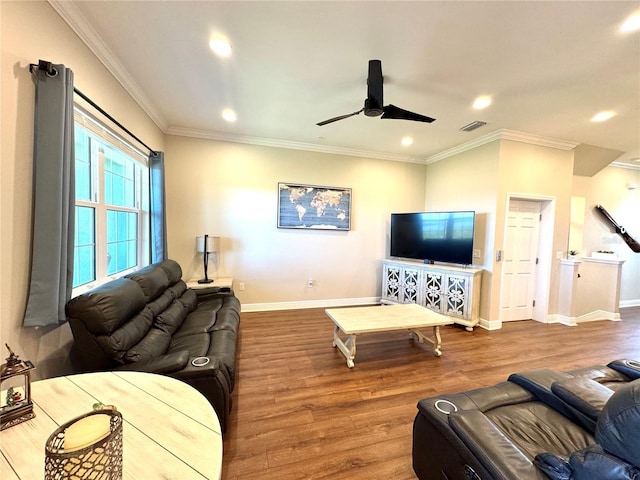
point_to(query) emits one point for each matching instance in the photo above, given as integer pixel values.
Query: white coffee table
(353, 321)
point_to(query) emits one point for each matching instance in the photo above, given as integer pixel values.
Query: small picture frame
(314, 207)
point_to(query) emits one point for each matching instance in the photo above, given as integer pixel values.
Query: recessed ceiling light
(481, 102)
(220, 47)
(229, 115)
(602, 116)
(632, 23)
(406, 141)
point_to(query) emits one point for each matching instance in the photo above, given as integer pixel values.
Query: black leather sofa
(150, 321)
(540, 424)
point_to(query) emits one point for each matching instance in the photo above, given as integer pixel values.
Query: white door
(519, 260)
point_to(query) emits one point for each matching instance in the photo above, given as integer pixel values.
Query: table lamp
(206, 245)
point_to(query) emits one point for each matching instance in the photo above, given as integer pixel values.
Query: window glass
(83, 164)
(122, 231)
(112, 188)
(84, 250)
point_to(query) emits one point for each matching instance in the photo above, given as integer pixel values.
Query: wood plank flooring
(300, 413)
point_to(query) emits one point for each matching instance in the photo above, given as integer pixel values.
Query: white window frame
(102, 133)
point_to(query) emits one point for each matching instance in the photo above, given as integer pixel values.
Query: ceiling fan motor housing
(372, 108)
(374, 102)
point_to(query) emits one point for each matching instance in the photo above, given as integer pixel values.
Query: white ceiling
(549, 67)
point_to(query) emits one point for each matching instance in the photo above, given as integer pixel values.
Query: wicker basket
(101, 460)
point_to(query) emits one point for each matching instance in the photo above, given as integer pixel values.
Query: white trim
(625, 165)
(81, 26)
(630, 303)
(269, 142)
(330, 303)
(562, 319)
(503, 134)
(594, 316)
(490, 324)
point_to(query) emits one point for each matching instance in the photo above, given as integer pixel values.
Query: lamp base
(205, 280)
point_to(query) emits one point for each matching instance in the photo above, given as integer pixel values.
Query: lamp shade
(212, 244)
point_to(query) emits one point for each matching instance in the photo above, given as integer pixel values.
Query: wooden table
(170, 430)
(355, 320)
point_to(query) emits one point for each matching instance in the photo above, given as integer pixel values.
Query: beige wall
(609, 189)
(469, 181)
(482, 179)
(230, 190)
(532, 171)
(31, 31)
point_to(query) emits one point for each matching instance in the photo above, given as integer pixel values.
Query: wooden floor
(300, 413)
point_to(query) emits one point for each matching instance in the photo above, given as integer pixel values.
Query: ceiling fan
(374, 101)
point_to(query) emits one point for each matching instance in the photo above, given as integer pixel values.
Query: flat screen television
(433, 236)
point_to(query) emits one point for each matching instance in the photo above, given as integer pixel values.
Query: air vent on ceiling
(473, 126)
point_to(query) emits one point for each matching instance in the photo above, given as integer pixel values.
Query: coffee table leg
(348, 347)
(436, 341)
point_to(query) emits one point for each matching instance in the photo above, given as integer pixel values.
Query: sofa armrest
(583, 394)
(630, 368)
(203, 294)
(169, 363)
(501, 457)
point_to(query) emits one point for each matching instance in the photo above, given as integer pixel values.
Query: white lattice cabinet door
(391, 283)
(401, 284)
(411, 282)
(456, 294)
(433, 288)
(450, 290)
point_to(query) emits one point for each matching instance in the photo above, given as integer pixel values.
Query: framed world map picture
(314, 206)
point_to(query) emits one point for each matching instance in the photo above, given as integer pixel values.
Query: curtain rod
(51, 71)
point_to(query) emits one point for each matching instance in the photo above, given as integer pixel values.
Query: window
(112, 206)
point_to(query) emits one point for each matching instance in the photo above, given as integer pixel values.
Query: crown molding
(628, 166)
(503, 134)
(309, 147)
(81, 26)
(70, 13)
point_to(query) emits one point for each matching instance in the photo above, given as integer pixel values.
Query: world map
(306, 206)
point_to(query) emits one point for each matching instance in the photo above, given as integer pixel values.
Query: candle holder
(15, 391)
(87, 447)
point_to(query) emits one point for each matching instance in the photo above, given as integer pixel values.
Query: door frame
(545, 251)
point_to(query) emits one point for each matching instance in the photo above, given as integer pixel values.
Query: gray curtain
(157, 207)
(53, 198)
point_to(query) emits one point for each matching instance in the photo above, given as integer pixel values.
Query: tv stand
(450, 290)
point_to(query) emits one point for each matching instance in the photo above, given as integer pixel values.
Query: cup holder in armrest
(200, 361)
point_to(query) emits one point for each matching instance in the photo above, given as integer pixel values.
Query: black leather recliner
(535, 424)
(150, 321)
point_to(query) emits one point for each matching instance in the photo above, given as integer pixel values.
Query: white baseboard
(331, 303)
(630, 303)
(490, 324)
(594, 316)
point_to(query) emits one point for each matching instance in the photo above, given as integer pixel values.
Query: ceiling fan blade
(397, 113)
(341, 117)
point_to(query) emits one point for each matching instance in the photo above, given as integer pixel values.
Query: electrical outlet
(476, 253)
(310, 283)
(241, 286)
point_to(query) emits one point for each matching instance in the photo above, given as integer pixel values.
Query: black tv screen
(433, 236)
